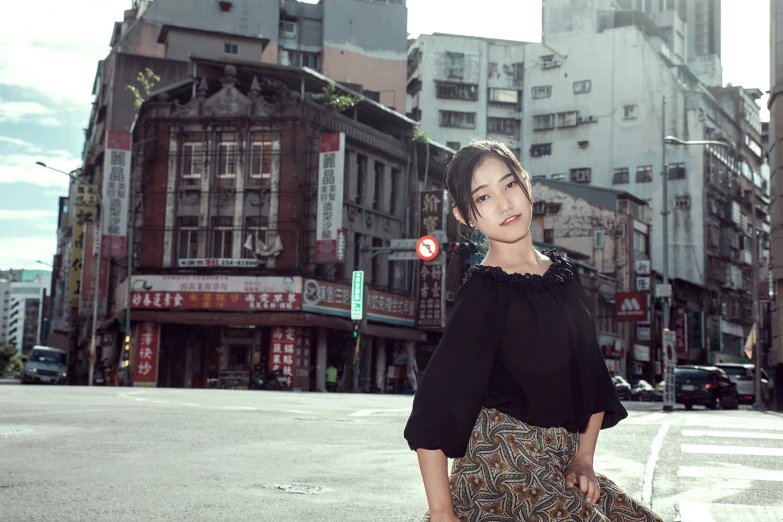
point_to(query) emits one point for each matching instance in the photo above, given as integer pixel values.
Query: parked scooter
(99, 374)
(260, 380)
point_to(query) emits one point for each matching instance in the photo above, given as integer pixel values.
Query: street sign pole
(357, 314)
(670, 359)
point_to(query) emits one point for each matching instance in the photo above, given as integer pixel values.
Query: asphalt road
(130, 454)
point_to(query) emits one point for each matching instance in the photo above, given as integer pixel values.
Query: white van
(45, 365)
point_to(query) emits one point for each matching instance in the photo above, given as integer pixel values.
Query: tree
(331, 98)
(10, 360)
(148, 79)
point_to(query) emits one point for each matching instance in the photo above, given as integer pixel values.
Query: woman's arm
(434, 473)
(580, 472)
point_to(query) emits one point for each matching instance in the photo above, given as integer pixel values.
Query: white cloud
(27, 215)
(23, 252)
(21, 168)
(27, 111)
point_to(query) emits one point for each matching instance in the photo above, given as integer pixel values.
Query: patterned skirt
(512, 472)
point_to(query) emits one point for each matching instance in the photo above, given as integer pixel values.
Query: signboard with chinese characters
(643, 332)
(431, 303)
(183, 292)
(85, 211)
(357, 295)
(116, 189)
(334, 299)
(302, 360)
(642, 284)
(89, 265)
(430, 212)
(217, 263)
(282, 352)
(670, 363)
(331, 172)
(631, 306)
(643, 267)
(680, 322)
(147, 341)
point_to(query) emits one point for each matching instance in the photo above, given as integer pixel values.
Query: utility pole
(668, 406)
(758, 403)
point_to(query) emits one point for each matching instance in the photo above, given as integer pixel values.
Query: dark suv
(705, 385)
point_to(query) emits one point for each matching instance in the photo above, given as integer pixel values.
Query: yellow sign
(85, 211)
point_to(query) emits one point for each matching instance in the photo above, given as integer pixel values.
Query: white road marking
(236, 408)
(157, 402)
(644, 419)
(391, 411)
(296, 411)
(709, 449)
(739, 473)
(702, 512)
(733, 434)
(649, 470)
(193, 404)
(736, 425)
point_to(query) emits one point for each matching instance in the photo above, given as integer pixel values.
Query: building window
(539, 208)
(639, 242)
(541, 150)
(454, 145)
(506, 96)
(310, 60)
(544, 122)
(222, 237)
(558, 177)
(549, 236)
(599, 237)
(620, 176)
(644, 174)
(192, 160)
(567, 119)
(553, 208)
(456, 91)
(676, 170)
(187, 242)
(287, 29)
(361, 178)
(505, 126)
(518, 70)
(257, 228)
(580, 175)
(683, 202)
(629, 112)
(396, 179)
(460, 120)
(542, 91)
(261, 160)
(230, 48)
(380, 178)
(582, 87)
(455, 64)
(493, 69)
(227, 156)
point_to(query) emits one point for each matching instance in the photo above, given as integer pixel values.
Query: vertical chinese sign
(89, 264)
(116, 189)
(331, 174)
(681, 331)
(85, 211)
(302, 369)
(431, 306)
(146, 362)
(282, 351)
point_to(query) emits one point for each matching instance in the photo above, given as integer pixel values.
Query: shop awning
(607, 298)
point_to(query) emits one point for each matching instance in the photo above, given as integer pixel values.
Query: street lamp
(97, 290)
(45, 264)
(672, 140)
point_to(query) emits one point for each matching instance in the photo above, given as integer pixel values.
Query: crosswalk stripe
(733, 434)
(643, 419)
(768, 475)
(701, 512)
(730, 450)
(729, 426)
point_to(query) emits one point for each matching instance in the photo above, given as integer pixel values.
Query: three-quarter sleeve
(606, 399)
(454, 384)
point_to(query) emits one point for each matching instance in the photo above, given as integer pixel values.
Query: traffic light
(126, 351)
(461, 247)
(355, 329)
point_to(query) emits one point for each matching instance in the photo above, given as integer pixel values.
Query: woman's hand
(580, 474)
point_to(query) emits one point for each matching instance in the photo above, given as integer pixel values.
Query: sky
(47, 70)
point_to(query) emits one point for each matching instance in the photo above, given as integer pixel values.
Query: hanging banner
(147, 341)
(85, 211)
(282, 352)
(89, 265)
(430, 212)
(302, 361)
(681, 330)
(431, 307)
(116, 189)
(331, 173)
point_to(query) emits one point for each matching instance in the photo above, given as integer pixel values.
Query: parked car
(45, 365)
(742, 375)
(705, 385)
(622, 388)
(642, 391)
(659, 391)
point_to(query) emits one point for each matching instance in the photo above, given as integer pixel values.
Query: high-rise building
(26, 312)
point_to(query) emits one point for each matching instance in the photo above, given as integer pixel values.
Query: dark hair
(459, 174)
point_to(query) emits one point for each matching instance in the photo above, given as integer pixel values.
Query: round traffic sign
(427, 248)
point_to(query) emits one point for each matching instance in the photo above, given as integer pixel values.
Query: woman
(517, 390)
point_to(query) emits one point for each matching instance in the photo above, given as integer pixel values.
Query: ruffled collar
(558, 272)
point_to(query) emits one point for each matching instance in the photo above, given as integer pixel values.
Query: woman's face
(504, 210)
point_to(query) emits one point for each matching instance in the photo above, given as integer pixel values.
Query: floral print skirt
(512, 471)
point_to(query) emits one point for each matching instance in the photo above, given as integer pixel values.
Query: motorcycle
(260, 380)
(99, 374)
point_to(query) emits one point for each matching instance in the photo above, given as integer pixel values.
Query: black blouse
(523, 344)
